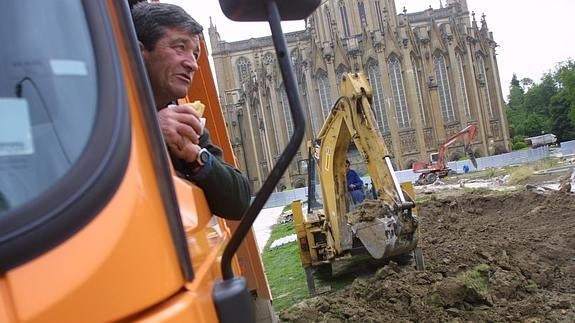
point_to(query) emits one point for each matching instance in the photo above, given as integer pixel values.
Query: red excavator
(437, 167)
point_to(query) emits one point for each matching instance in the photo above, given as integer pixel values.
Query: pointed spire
(440, 4)
(473, 21)
(211, 24)
(483, 22)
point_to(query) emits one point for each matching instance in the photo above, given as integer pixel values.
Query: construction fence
(512, 158)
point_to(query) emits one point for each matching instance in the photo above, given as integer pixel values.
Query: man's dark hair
(152, 19)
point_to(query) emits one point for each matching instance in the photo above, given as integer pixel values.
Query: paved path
(263, 225)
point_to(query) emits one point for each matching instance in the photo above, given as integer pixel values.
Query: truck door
(89, 223)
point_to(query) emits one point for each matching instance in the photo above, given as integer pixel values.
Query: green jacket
(227, 190)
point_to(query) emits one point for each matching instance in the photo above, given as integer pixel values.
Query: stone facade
(432, 73)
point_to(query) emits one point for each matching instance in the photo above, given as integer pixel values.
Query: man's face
(171, 64)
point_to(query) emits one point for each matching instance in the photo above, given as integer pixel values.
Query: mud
(489, 258)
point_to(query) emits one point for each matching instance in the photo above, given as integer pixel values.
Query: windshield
(47, 95)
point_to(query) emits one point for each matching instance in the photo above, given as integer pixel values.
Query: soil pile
(506, 257)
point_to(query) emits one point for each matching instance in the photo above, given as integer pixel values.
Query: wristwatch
(202, 158)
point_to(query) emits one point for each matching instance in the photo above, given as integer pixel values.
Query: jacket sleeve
(227, 190)
(356, 179)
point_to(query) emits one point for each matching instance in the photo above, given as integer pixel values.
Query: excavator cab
(95, 226)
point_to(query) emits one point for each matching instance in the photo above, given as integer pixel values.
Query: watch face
(204, 156)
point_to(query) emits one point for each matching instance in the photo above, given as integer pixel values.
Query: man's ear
(142, 47)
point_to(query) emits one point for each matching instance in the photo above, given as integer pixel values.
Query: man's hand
(181, 127)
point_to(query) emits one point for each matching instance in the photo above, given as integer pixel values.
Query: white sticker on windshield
(68, 67)
(15, 129)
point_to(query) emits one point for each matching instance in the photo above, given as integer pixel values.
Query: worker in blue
(354, 184)
(465, 169)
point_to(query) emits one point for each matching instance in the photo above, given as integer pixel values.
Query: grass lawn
(286, 276)
(283, 269)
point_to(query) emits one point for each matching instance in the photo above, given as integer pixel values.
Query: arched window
(379, 13)
(483, 78)
(287, 112)
(462, 86)
(378, 100)
(398, 92)
(244, 69)
(417, 76)
(443, 88)
(324, 96)
(344, 20)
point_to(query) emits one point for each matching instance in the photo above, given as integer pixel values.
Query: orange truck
(94, 224)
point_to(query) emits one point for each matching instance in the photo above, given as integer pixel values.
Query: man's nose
(191, 63)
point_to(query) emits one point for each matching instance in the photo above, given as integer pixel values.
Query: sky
(533, 36)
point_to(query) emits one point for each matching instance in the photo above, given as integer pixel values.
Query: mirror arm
(287, 155)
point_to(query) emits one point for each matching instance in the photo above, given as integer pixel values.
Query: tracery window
(398, 90)
(324, 93)
(244, 69)
(443, 87)
(378, 96)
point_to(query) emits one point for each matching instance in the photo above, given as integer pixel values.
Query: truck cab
(95, 226)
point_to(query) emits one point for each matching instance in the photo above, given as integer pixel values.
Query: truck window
(47, 98)
(59, 115)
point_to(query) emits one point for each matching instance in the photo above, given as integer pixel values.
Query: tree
(560, 124)
(566, 78)
(548, 106)
(515, 109)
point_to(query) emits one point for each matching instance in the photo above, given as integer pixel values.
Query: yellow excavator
(386, 225)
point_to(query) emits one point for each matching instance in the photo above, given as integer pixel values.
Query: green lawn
(285, 274)
(283, 269)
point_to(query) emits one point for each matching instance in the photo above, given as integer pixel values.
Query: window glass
(48, 94)
(378, 96)
(324, 94)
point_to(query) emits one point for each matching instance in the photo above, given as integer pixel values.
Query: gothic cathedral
(432, 73)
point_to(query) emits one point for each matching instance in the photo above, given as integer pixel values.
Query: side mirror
(255, 10)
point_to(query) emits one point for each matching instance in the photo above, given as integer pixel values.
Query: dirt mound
(498, 258)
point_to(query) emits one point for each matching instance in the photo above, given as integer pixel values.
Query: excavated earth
(489, 257)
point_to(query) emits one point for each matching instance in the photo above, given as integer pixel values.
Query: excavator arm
(469, 134)
(386, 225)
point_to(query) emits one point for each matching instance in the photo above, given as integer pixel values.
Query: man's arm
(227, 190)
(357, 182)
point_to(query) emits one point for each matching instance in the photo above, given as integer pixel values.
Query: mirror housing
(255, 10)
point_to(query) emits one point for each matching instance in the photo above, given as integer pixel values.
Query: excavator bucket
(372, 235)
(379, 229)
(471, 156)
